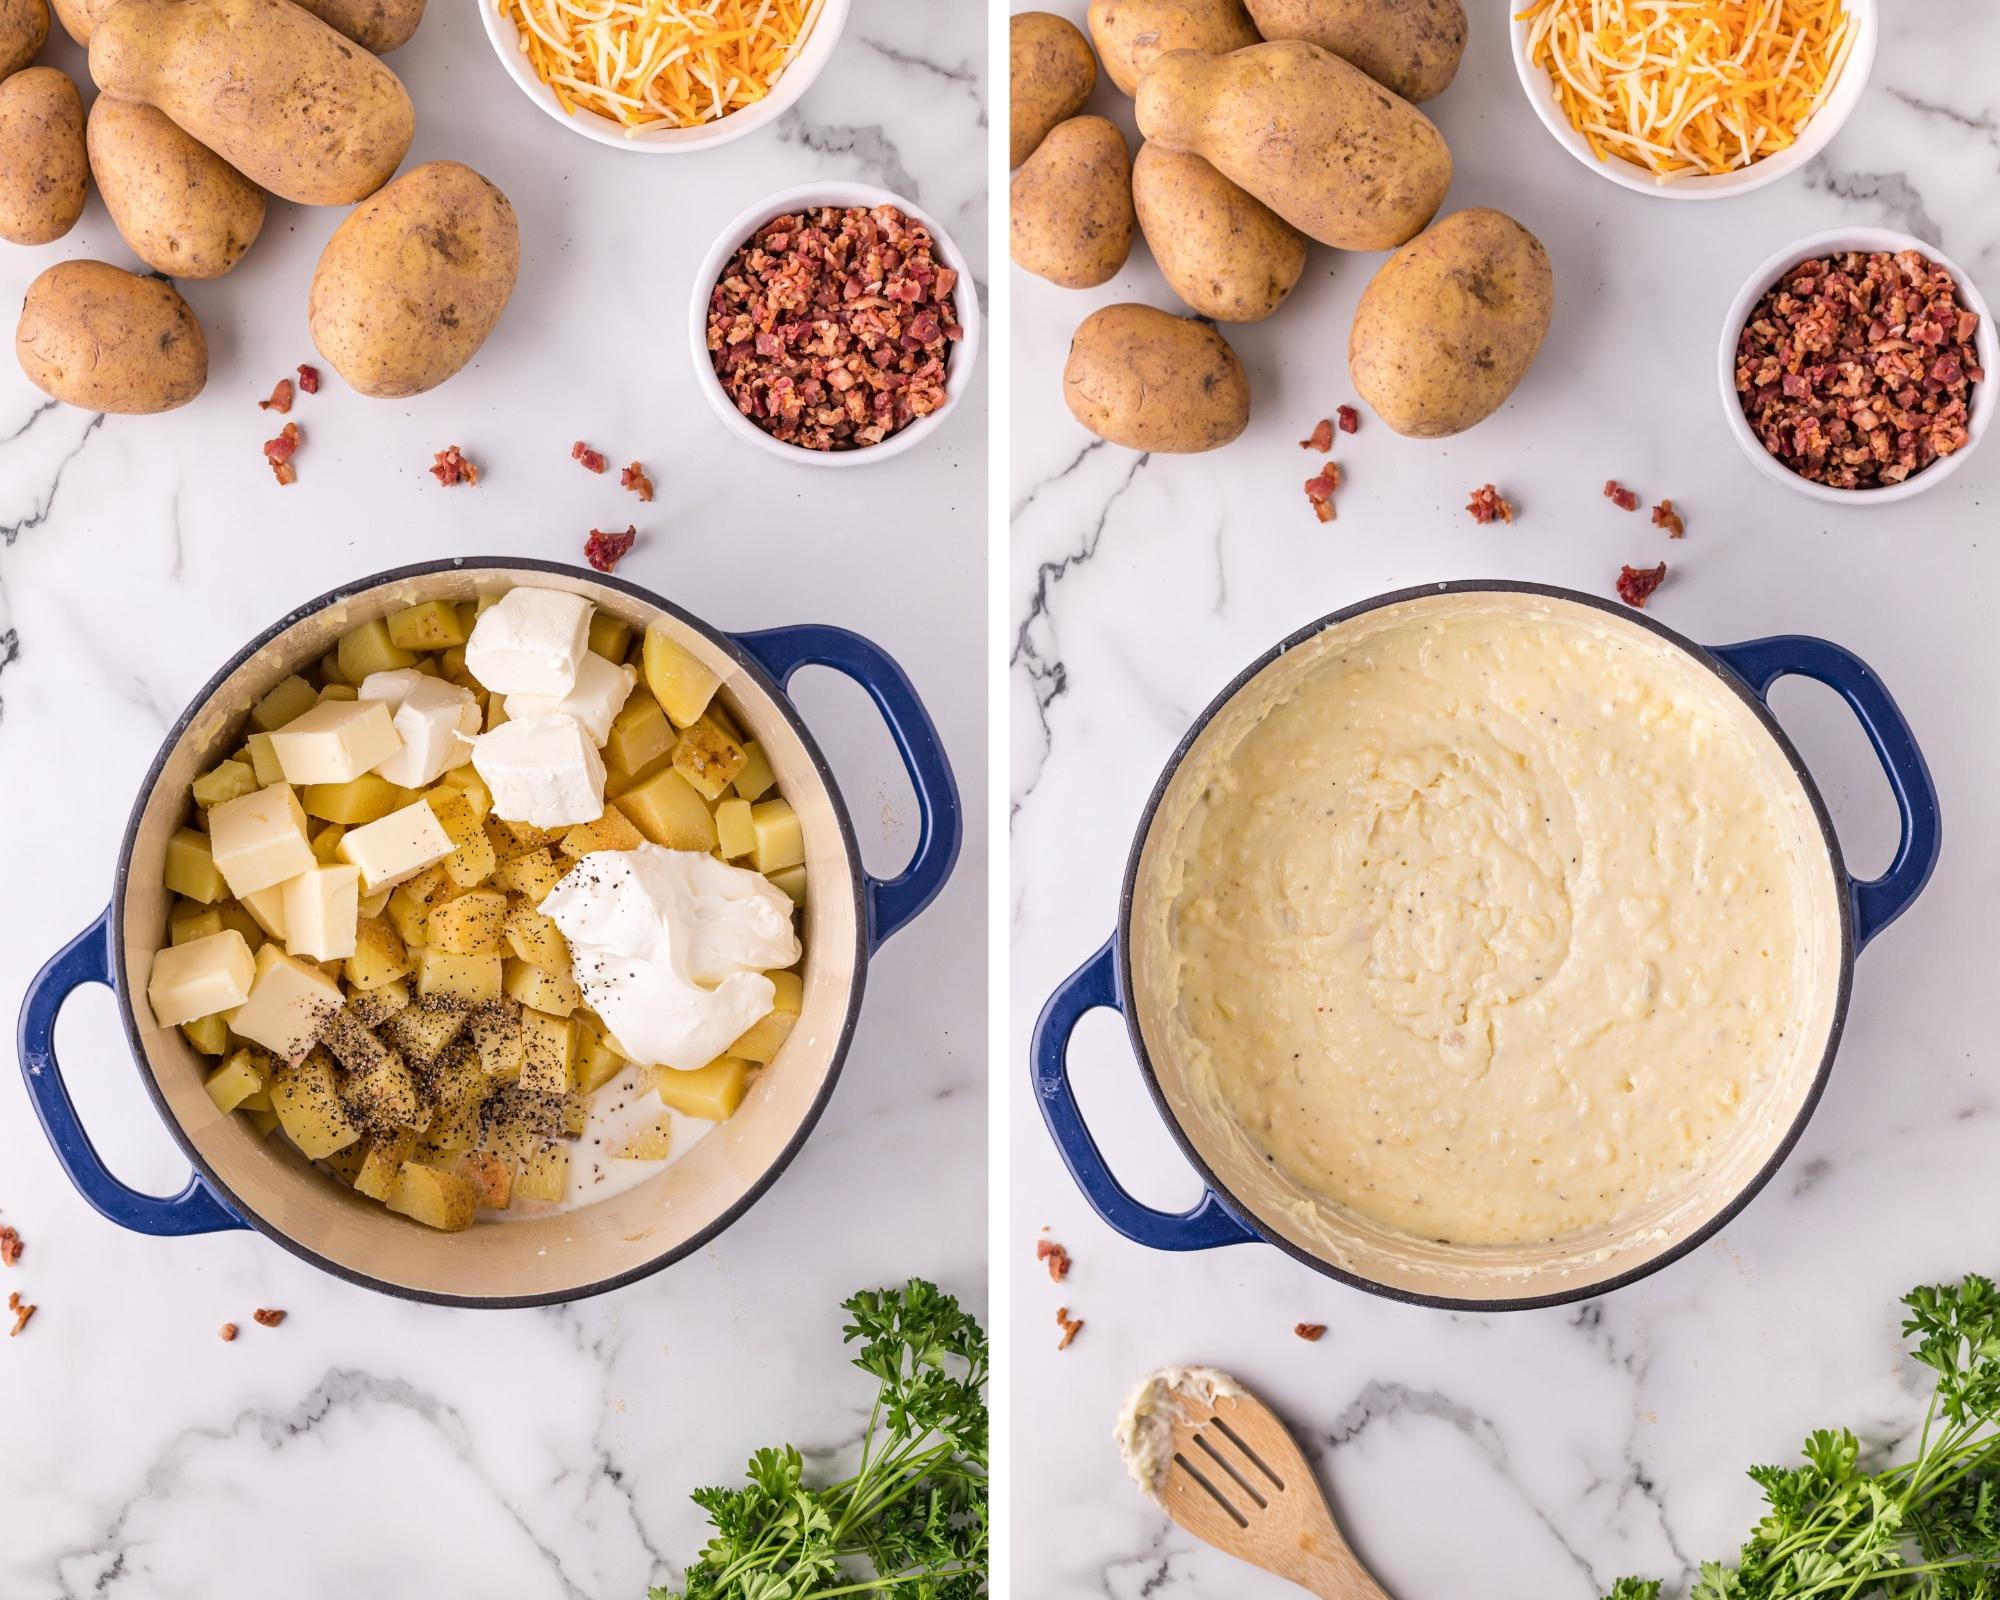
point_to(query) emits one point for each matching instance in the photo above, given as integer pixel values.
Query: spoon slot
(1250, 1455)
(1243, 1483)
(1214, 1493)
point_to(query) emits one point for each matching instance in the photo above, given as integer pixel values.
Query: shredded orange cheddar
(1689, 87)
(651, 64)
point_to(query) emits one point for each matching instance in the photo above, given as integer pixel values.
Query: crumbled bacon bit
(281, 398)
(1322, 436)
(1071, 1327)
(1311, 1332)
(1665, 516)
(264, 1317)
(22, 1311)
(1620, 496)
(450, 466)
(592, 460)
(308, 380)
(1636, 584)
(832, 328)
(605, 550)
(279, 453)
(1350, 419)
(1056, 1256)
(1489, 505)
(10, 1247)
(634, 478)
(226, 1333)
(1319, 491)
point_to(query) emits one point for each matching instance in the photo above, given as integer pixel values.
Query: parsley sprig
(1924, 1529)
(912, 1520)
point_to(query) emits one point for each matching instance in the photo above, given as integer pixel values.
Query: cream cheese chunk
(289, 1005)
(435, 721)
(336, 742)
(398, 846)
(200, 978)
(542, 770)
(595, 698)
(530, 641)
(259, 839)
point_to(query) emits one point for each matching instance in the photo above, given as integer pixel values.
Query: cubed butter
(267, 909)
(203, 976)
(291, 1003)
(322, 911)
(259, 840)
(396, 847)
(337, 741)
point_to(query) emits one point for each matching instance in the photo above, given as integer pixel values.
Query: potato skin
(80, 17)
(45, 173)
(1320, 142)
(1131, 34)
(1150, 381)
(1225, 253)
(108, 340)
(280, 96)
(1451, 324)
(1052, 74)
(410, 285)
(24, 29)
(1410, 46)
(181, 208)
(376, 25)
(1070, 207)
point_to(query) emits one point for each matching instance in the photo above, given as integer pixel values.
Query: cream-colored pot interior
(566, 1252)
(1357, 1246)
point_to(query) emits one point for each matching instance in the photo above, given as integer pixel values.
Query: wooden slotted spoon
(1239, 1482)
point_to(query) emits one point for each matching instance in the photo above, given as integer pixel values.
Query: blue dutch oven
(240, 1180)
(1247, 1200)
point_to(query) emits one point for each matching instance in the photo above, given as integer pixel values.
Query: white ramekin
(1825, 123)
(1831, 242)
(958, 370)
(798, 77)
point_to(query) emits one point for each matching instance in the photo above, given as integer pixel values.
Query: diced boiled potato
(544, 1175)
(209, 1035)
(454, 810)
(537, 940)
(351, 1044)
(191, 920)
(356, 803)
(237, 1079)
(472, 863)
(496, 711)
(345, 1163)
(264, 759)
(265, 1122)
(421, 1032)
(308, 1107)
(762, 1040)
(436, 1198)
(340, 693)
(532, 875)
(641, 738)
(734, 835)
(225, 781)
(292, 697)
(492, 1178)
(385, 1095)
(711, 1093)
(411, 904)
(190, 868)
(610, 637)
(368, 649)
(467, 781)
(468, 925)
(386, 1154)
(548, 1053)
(474, 979)
(611, 831)
(327, 669)
(792, 880)
(654, 1142)
(597, 1059)
(680, 682)
(708, 758)
(236, 918)
(666, 809)
(461, 1087)
(496, 1036)
(553, 992)
(326, 843)
(780, 841)
(373, 1007)
(434, 625)
(754, 778)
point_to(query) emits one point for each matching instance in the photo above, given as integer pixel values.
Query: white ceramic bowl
(1826, 122)
(958, 370)
(1987, 341)
(797, 78)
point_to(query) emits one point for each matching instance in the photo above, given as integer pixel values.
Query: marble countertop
(1543, 1453)
(368, 1446)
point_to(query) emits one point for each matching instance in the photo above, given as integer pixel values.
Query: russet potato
(45, 170)
(24, 29)
(1131, 34)
(1051, 74)
(1070, 206)
(181, 208)
(1150, 381)
(1224, 252)
(108, 340)
(1412, 47)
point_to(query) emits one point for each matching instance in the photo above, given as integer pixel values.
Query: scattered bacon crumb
(1071, 1327)
(450, 466)
(634, 478)
(1665, 516)
(1488, 505)
(279, 453)
(1322, 436)
(308, 380)
(605, 550)
(1635, 584)
(266, 1318)
(1620, 496)
(592, 460)
(10, 1247)
(1350, 419)
(1311, 1332)
(1056, 1256)
(227, 1333)
(1319, 491)
(281, 398)
(22, 1311)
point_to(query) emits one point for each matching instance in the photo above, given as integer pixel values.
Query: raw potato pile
(205, 106)
(1269, 125)
(446, 1064)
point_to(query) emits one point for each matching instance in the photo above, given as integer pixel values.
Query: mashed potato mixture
(1497, 923)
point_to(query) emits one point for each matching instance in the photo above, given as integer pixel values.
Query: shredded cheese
(1689, 87)
(649, 64)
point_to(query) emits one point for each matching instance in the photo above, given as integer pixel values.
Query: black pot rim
(1724, 1214)
(755, 1192)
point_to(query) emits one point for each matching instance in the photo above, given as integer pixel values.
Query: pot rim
(1725, 1213)
(757, 1189)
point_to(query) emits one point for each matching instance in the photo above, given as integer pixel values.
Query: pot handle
(1879, 901)
(892, 902)
(1207, 1223)
(87, 959)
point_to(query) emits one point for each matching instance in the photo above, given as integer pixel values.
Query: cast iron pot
(242, 1181)
(1247, 1200)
